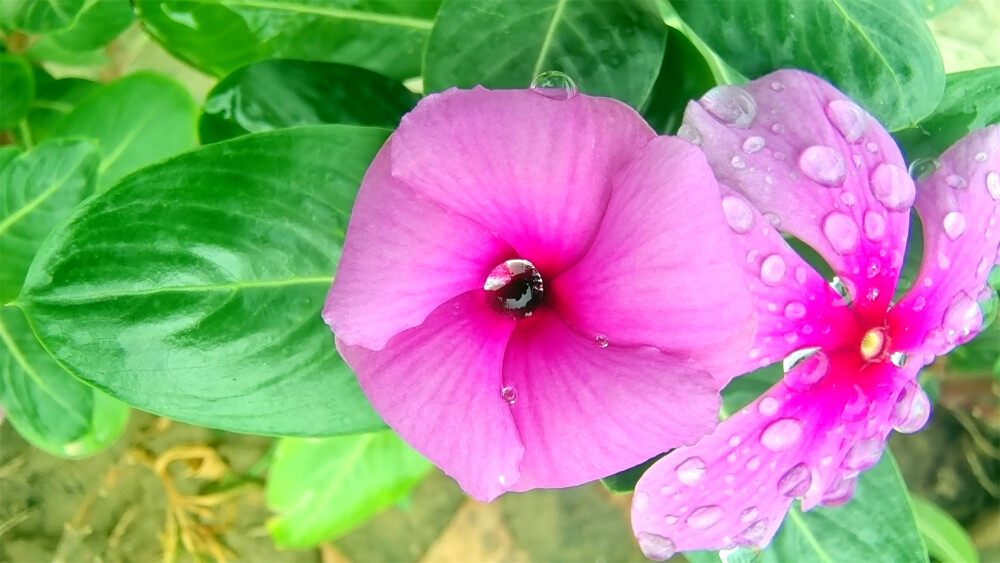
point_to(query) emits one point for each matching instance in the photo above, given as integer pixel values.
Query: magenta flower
(525, 282)
(803, 159)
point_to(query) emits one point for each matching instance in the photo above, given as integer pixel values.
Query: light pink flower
(525, 282)
(802, 159)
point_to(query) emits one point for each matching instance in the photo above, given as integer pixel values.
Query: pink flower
(803, 159)
(525, 282)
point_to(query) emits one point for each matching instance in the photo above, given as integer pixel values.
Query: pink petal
(959, 206)
(403, 257)
(734, 486)
(663, 258)
(532, 169)
(586, 409)
(445, 399)
(819, 166)
(796, 308)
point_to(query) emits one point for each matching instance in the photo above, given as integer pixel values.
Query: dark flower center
(514, 288)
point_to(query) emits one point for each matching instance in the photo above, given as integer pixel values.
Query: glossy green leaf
(40, 16)
(321, 488)
(284, 93)
(969, 103)
(46, 405)
(876, 525)
(47, 50)
(17, 89)
(624, 481)
(134, 121)
(54, 100)
(608, 47)
(219, 36)
(746, 388)
(946, 540)
(95, 26)
(880, 53)
(685, 75)
(193, 288)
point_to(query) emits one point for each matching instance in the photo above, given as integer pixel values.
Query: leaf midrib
(549, 34)
(39, 199)
(796, 518)
(207, 288)
(354, 15)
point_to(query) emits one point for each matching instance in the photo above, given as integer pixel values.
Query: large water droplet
(554, 84)
(655, 547)
(955, 181)
(754, 534)
(738, 162)
(954, 224)
(842, 232)
(823, 165)
(874, 225)
(923, 167)
(796, 481)
(863, 455)
(857, 405)
(738, 214)
(753, 144)
(691, 470)
(795, 310)
(640, 501)
(781, 435)
(689, 134)
(768, 406)
(704, 517)
(993, 185)
(749, 514)
(892, 187)
(731, 105)
(912, 409)
(839, 492)
(514, 288)
(962, 319)
(508, 394)
(848, 118)
(772, 270)
(805, 368)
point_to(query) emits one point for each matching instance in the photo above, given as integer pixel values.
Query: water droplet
(753, 534)
(795, 310)
(640, 501)
(858, 162)
(508, 394)
(823, 165)
(943, 261)
(796, 481)
(601, 341)
(752, 464)
(874, 225)
(845, 289)
(800, 275)
(778, 155)
(874, 267)
(738, 214)
(871, 294)
(993, 185)
(731, 105)
(738, 162)
(962, 319)
(772, 270)
(842, 232)
(734, 441)
(839, 492)
(805, 368)
(670, 519)
(655, 547)
(848, 118)
(777, 86)
(912, 409)
(514, 288)
(863, 455)
(892, 187)
(981, 157)
(954, 224)
(923, 167)
(554, 84)
(704, 517)
(872, 147)
(778, 128)
(781, 435)
(749, 514)
(689, 134)
(955, 181)
(753, 144)
(768, 406)
(848, 199)
(691, 470)
(857, 405)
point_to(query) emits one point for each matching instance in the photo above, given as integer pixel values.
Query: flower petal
(734, 486)
(959, 206)
(395, 268)
(586, 409)
(662, 258)
(446, 400)
(817, 165)
(534, 170)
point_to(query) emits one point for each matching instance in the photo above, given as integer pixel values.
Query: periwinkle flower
(538, 292)
(800, 158)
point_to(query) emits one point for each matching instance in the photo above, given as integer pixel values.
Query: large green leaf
(95, 26)
(17, 89)
(969, 103)
(608, 47)
(321, 488)
(134, 121)
(219, 36)
(876, 525)
(54, 100)
(283, 93)
(946, 539)
(193, 288)
(685, 75)
(40, 16)
(880, 53)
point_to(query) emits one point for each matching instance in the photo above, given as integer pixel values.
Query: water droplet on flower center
(554, 84)
(514, 288)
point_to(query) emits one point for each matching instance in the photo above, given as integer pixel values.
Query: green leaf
(219, 36)
(17, 89)
(96, 25)
(969, 103)
(880, 53)
(684, 76)
(946, 539)
(54, 100)
(608, 47)
(48, 50)
(134, 121)
(284, 93)
(978, 356)
(193, 288)
(624, 481)
(45, 404)
(746, 388)
(934, 8)
(40, 16)
(876, 525)
(321, 488)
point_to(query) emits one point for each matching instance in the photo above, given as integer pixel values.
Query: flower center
(514, 288)
(874, 344)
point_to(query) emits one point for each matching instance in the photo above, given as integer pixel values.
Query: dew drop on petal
(752, 464)
(892, 187)
(872, 147)
(796, 481)
(731, 105)
(873, 268)
(514, 288)
(848, 118)
(781, 435)
(912, 409)
(805, 368)
(734, 441)
(863, 455)
(554, 84)
(508, 394)
(772, 270)
(848, 199)
(777, 86)
(823, 165)
(839, 492)
(738, 162)
(749, 515)
(842, 232)
(778, 128)
(704, 517)
(640, 501)
(689, 134)
(993, 185)
(753, 144)
(923, 167)
(857, 405)
(691, 470)
(795, 310)
(874, 225)
(670, 519)
(954, 224)
(800, 275)
(981, 157)
(919, 303)
(962, 319)
(738, 214)
(753, 534)
(955, 181)
(768, 406)
(601, 341)
(655, 547)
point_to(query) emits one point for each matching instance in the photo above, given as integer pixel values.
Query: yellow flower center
(873, 344)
